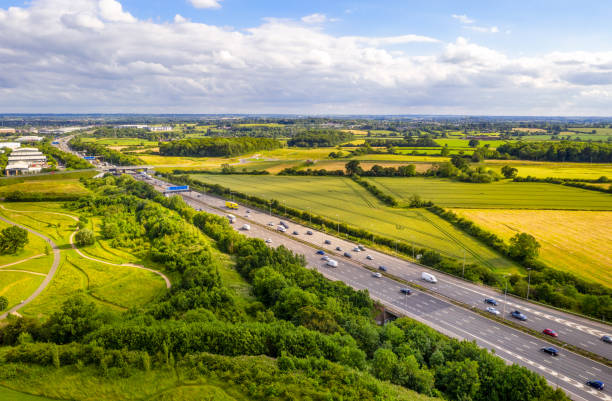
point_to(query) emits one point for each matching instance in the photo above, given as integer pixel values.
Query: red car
(550, 332)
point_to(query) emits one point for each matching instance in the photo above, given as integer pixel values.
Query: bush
(3, 303)
(84, 237)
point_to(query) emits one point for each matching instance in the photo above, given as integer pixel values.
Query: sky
(540, 58)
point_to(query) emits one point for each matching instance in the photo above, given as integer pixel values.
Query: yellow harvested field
(528, 129)
(340, 165)
(574, 241)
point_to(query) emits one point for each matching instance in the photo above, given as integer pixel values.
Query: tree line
(109, 155)
(141, 133)
(218, 146)
(69, 160)
(563, 151)
(319, 138)
(406, 142)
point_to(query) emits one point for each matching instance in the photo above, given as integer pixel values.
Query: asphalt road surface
(569, 371)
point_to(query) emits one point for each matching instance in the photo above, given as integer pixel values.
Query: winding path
(56, 259)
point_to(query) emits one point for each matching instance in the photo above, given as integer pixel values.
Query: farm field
(574, 241)
(464, 143)
(322, 195)
(121, 141)
(502, 194)
(554, 169)
(340, 165)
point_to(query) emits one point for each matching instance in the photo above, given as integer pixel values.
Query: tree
(524, 246)
(384, 363)
(509, 172)
(84, 238)
(353, 167)
(459, 161)
(76, 318)
(445, 151)
(473, 143)
(3, 303)
(13, 239)
(459, 379)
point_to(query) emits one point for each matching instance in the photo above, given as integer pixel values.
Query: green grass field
(343, 199)
(55, 176)
(502, 194)
(56, 187)
(121, 141)
(6, 394)
(35, 246)
(553, 169)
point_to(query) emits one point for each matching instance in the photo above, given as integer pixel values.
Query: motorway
(568, 371)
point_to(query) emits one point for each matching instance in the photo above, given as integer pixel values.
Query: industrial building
(7, 130)
(161, 129)
(25, 161)
(10, 145)
(30, 138)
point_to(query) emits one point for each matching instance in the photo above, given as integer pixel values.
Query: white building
(7, 130)
(30, 138)
(161, 129)
(10, 145)
(25, 161)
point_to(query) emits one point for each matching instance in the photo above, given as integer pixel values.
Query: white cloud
(206, 3)
(464, 19)
(484, 29)
(112, 10)
(314, 18)
(67, 56)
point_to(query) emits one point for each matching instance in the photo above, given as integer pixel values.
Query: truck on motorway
(430, 278)
(231, 205)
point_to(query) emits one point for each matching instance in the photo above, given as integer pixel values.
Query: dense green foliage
(459, 169)
(5, 153)
(70, 161)
(217, 146)
(107, 154)
(373, 189)
(319, 138)
(563, 151)
(84, 237)
(3, 303)
(12, 240)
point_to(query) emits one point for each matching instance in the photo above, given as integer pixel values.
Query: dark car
(320, 252)
(308, 232)
(607, 339)
(348, 255)
(550, 332)
(382, 268)
(338, 248)
(550, 350)
(596, 384)
(295, 233)
(327, 242)
(518, 315)
(406, 291)
(490, 301)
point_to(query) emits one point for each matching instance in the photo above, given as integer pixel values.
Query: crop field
(501, 195)
(121, 141)
(464, 143)
(340, 165)
(400, 158)
(554, 169)
(575, 241)
(323, 195)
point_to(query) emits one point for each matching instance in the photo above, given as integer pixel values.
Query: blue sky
(468, 57)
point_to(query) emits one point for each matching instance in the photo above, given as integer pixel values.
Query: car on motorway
(246, 227)
(382, 268)
(271, 224)
(332, 263)
(430, 278)
(248, 211)
(356, 249)
(607, 339)
(325, 258)
(282, 223)
(518, 315)
(327, 242)
(596, 384)
(377, 275)
(550, 350)
(296, 233)
(281, 229)
(308, 232)
(550, 332)
(490, 301)
(361, 247)
(406, 291)
(268, 241)
(320, 252)
(338, 248)
(492, 310)
(369, 257)
(348, 255)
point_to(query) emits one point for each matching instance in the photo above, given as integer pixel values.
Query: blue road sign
(181, 188)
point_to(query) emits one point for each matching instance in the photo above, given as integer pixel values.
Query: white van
(332, 263)
(246, 227)
(430, 278)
